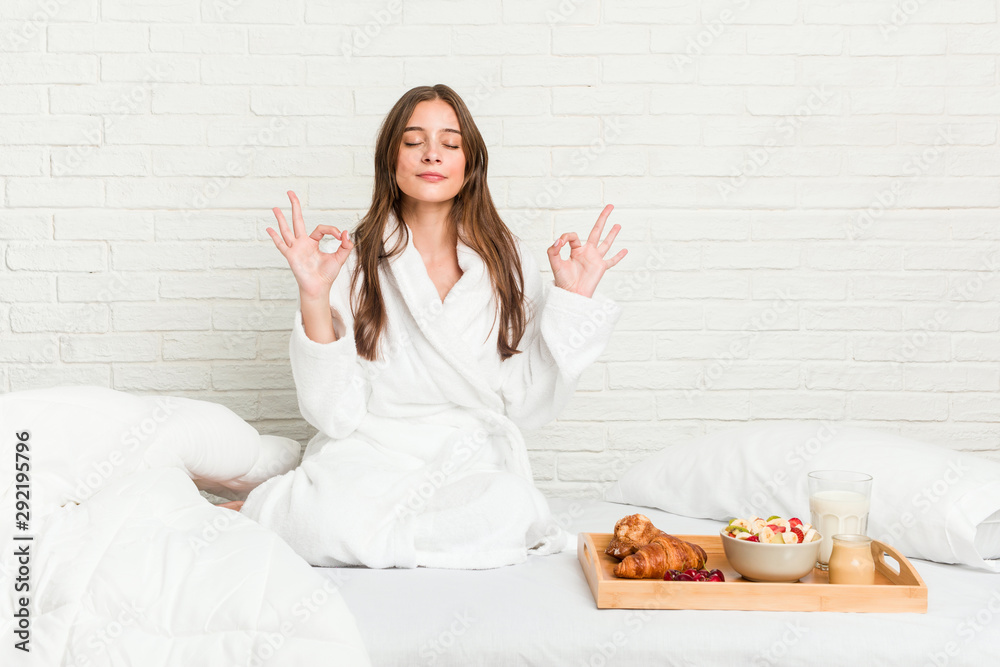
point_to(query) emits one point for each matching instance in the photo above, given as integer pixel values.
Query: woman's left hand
(586, 264)
(234, 505)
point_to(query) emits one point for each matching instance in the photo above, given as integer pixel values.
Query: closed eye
(418, 143)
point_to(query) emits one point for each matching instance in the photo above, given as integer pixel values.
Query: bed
(542, 613)
(131, 565)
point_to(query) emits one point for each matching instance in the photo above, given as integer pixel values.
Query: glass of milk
(838, 502)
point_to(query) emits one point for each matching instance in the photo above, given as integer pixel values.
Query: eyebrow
(418, 128)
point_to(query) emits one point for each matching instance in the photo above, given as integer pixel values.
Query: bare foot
(234, 505)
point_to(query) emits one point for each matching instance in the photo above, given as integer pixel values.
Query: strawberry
(798, 534)
(776, 528)
(794, 522)
(753, 538)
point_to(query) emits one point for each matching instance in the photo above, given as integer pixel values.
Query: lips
(431, 176)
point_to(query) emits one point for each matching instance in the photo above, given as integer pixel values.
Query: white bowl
(763, 561)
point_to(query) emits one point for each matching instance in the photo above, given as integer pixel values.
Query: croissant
(631, 533)
(665, 552)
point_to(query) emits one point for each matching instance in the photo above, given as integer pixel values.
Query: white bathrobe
(419, 459)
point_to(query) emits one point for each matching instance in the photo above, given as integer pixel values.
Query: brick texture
(808, 192)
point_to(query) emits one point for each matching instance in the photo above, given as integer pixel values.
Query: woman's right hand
(313, 269)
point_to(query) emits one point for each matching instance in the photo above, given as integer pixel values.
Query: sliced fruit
(794, 521)
(789, 538)
(799, 535)
(772, 518)
(753, 538)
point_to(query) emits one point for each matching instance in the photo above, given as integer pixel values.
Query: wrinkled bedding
(128, 564)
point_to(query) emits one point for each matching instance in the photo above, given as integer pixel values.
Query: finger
(286, 234)
(572, 239)
(617, 258)
(606, 243)
(322, 230)
(298, 225)
(595, 233)
(555, 259)
(277, 242)
(346, 245)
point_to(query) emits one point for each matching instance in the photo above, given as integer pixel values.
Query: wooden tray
(902, 591)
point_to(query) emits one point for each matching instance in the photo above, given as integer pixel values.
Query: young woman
(421, 348)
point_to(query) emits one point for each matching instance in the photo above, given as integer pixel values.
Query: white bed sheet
(542, 613)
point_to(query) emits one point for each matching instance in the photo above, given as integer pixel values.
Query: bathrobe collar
(441, 324)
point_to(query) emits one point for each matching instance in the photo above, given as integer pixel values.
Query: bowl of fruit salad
(772, 549)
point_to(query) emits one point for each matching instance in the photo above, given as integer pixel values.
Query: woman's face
(431, 143)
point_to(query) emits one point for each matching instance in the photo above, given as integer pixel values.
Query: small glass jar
(851, 560)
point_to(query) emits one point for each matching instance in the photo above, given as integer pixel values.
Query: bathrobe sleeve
(566, 332)
(332, 387)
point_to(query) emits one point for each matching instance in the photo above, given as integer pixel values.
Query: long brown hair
(473, 214)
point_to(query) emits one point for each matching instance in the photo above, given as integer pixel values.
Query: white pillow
(928, 501)
(82, 437)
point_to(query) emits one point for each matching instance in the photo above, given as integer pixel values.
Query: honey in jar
(851, 560)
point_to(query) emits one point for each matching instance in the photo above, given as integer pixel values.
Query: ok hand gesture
(586, 264)
(314, 270)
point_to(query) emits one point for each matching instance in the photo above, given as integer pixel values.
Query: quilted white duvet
(121, 561)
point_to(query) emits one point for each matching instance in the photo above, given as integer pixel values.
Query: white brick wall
(809, 192)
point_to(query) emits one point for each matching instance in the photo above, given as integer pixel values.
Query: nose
(431, 155)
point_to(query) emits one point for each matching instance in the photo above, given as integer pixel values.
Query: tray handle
(906, 576)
